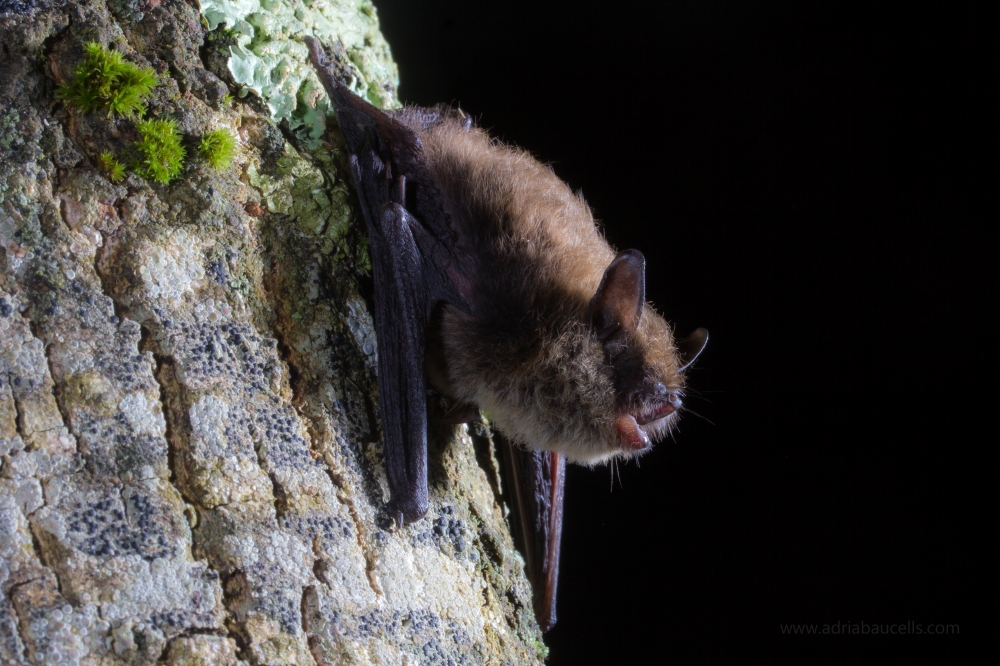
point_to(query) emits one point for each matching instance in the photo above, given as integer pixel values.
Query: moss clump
(161, 149)
(112, 168)
(106, 81)
(218, 147)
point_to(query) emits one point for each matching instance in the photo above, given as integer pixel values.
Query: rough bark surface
(191, 467)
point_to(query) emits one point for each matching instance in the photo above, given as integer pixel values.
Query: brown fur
(527, 355)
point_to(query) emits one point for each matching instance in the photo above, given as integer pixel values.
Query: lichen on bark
(190, 465)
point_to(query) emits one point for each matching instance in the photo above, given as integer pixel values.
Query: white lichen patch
(347, 577)
(17, 555)
(208, 421)
(172, 267)
(85, 241)
(22, 357)
(27, 493)
(289, 554)
(10, 445)
(276, 550)
(114, 606)
(306, 484)
(212, 311)
(142, 588)
(221, 471)
(50, 521)
(270, 59)
(78, 356)
(68, 635)
(139, 413)
(37, 462)
(427, 578)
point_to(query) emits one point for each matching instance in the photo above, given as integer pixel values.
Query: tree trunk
(191, 467)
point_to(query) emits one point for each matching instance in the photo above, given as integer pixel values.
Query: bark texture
(191, 467)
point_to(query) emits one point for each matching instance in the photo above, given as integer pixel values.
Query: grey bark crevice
(56, 386)
(17, 617)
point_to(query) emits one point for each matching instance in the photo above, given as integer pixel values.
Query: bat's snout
(630, 433)
(631, 428)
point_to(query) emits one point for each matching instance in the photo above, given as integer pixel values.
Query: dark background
(802, 182)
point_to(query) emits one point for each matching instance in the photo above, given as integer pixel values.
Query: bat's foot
(460, 412)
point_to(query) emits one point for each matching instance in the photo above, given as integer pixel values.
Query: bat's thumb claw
(315, 50)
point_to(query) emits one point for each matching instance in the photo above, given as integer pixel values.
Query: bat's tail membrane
(537, 482)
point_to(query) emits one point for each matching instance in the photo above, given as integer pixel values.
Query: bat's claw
(460, 412)
(402, 513)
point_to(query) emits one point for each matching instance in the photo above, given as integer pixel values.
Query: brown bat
(492, 279)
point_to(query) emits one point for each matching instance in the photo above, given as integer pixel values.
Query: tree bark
(191, 466)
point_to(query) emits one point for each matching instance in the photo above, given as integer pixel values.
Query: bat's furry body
(492, 278)
(528, 355)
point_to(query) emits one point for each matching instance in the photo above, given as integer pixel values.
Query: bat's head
(604, 382)
(646, 365)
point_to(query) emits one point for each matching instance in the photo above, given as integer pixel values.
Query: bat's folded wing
(414, 266)
(401, 301)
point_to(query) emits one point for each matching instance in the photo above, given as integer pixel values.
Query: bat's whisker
(688, 409)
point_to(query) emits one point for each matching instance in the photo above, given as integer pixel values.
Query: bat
(493, 282)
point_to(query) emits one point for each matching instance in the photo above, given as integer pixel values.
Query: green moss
(218, 147)
(161, 149)
(106, 81)
(112, 168)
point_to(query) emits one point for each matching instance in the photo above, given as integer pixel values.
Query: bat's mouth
(635, 427)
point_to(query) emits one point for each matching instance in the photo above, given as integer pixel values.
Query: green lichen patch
(161, 149)
(306, 190)
(105, 81)
(218, 147)
(267, 56)
(111, 167)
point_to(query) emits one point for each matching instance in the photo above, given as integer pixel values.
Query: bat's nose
(673, 397)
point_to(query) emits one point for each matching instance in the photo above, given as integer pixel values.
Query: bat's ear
(691, 347)
(616, 308)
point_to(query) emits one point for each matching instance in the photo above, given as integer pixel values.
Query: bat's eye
(675, 399)
(660, 389)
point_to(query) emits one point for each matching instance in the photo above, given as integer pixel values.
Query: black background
(802, 182)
